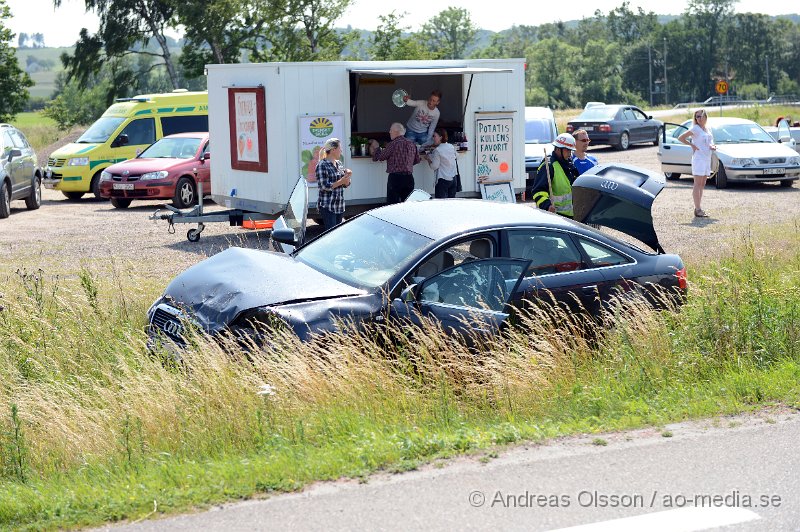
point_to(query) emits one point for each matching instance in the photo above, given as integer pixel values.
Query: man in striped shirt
(400, 155)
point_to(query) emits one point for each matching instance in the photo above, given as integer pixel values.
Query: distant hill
(42, 64)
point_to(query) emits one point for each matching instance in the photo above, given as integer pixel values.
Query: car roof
(538, 112)
(438, 219)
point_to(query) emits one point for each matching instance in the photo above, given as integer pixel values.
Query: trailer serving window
(372, 110)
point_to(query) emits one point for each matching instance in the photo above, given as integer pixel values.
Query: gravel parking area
(63, 235)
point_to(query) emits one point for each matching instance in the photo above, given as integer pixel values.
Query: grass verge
(93, 429)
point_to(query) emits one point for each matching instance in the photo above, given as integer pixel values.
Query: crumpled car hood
(215, 291)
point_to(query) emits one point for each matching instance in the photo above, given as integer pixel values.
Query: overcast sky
(61, 26)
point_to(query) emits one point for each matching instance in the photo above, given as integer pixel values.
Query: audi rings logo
(609, 185)
(172, 328)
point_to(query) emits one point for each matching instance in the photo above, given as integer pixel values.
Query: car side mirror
(121, 140)
(284, 236)
(207, 156)
(409, 293)
(14, 153)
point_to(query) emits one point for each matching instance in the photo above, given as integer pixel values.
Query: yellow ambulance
(124, 130)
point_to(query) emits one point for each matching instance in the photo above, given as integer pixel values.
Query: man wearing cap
(552, 188)
(332, 179)
(400, 155)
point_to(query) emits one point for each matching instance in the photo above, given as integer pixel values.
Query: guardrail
(790, 99)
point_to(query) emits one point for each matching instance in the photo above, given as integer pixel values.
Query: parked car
(479, 260)
(170, 168)
(540, 131)
(746, 153)
(617, 125)
(20, 177)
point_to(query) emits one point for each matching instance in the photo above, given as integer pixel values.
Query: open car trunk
(620, 197)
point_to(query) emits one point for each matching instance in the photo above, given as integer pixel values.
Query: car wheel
(94, 188)
(624, 141)
(5, 199)
(672, 176)
(73, 195)
(721, 181)
(786, 183)
(121, 203)
(34, 199)
(185, 193)
(658, 136)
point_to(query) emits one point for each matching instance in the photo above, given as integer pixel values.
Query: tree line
(624, 56)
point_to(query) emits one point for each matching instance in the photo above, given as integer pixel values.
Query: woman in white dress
(702, 142)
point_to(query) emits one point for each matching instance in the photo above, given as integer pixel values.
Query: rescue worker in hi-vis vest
(552, 188)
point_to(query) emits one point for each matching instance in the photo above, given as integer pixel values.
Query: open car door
(293, 219)
(470, 299)
(620, 197)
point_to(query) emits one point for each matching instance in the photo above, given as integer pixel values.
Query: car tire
(672, 176)
(34, 199)
(185, 193)
(72, 196)
(121, 203)
(721, 180)
(786, 183)
(659, 132)
(624, 141)
(94, 187)
(5, 199)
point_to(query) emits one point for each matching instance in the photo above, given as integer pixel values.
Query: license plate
(774, 171)
(123, 186)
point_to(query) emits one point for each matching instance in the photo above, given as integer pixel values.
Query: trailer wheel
(193, 235)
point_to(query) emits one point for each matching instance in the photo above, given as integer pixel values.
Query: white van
(540, 132)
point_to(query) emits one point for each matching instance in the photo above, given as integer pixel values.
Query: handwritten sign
(248, 128)
(494, 147)
(502, 192)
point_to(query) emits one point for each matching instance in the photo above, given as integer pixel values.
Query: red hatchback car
(170, 168)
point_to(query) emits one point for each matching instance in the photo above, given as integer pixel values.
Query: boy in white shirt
(421, 125)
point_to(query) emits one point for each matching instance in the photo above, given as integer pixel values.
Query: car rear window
(184, 124)
(598, 113)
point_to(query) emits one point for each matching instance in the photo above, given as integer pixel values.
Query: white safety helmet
(565, 140)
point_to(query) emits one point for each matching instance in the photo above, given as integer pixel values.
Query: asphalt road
(730, 474)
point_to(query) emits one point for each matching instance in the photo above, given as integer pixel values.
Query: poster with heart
(248, 128)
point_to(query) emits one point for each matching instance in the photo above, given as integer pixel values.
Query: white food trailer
(268, 120)
(265, 121)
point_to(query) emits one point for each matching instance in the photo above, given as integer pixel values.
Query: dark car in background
(459, 261)
(617, 125)
(20, 177)
(170, 168)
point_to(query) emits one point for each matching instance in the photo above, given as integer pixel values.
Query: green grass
(93, 429)
(38, 129)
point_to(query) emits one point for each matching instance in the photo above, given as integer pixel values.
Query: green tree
(449, 34)
(76, 105)
(218, 30)
(388, 43)
(126, 27)
(15, 82)
(552, 81)
(303, 30)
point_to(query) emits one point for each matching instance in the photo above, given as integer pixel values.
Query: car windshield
(740, 133)
(365, 252)
(178, 148)
(99, 132)
(538, 131)
(598, 113)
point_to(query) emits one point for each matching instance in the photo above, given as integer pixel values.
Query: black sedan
(455, 260)
(617, 125)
